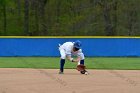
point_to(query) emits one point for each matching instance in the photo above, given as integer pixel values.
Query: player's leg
(82, 58)
(82, 62)
(62, 61)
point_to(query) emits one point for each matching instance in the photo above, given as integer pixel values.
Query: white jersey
(68, 48)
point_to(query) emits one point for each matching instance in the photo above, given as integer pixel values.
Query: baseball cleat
(84, 72)
(60, 72)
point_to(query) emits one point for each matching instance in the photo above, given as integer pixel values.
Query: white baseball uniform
(67, 50)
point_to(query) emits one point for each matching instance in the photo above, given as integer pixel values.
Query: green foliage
(2, 2)
(72, 17)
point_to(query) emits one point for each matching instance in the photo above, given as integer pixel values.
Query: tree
(36, 17)
(109, 8)
(3, 5)
(115, 18)
(19, 9)
(70, 17)
(43, 26)
(26, 17)
(132, 18)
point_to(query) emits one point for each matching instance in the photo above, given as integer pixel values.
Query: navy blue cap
(78, 44)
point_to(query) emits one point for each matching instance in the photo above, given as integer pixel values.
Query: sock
(82, 62)
(62, 62)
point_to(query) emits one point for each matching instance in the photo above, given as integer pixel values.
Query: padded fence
(49, 46)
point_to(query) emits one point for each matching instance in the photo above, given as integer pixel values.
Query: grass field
(53, 62)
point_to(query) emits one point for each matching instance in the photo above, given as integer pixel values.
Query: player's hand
(77, 60)
(73, 60)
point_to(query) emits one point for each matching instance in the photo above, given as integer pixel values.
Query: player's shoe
(84, 72)
(60, 72)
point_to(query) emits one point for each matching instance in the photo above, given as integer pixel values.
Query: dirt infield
(49, 81)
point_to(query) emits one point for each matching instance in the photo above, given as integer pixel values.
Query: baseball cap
(78, 44)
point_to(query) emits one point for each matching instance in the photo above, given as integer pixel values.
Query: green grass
(53, 62)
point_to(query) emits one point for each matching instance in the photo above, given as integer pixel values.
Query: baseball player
(67, 50)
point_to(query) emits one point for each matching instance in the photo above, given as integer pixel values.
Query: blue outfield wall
(49, 46)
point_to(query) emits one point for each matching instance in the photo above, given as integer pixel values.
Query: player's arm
(68, 52)
(72, 59)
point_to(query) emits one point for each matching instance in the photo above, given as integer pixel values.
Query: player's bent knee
(82, 57)
(63, 57)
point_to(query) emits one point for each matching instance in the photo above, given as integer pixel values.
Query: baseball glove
(81, 67)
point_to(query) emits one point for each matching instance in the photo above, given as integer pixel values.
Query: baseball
(86, 73)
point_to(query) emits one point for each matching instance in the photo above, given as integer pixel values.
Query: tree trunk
(43, 25)
(5, 19)
(26, 17)
(58, 14)
(36, 17)
(19, 9)
(115, 4)
(132, 20)
(107, 18)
